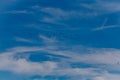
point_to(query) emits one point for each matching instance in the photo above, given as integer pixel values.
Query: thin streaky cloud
(59, 15)
(104, 26)
(105, 21)
(102, 6)
(19, 39)
(17, 12)
(47, 40)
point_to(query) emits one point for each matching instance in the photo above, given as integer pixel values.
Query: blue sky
(59, 40)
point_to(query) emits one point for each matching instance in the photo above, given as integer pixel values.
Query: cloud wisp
(19, 39)
(104, 26)
(17, 12)
(103, 7)
(58, 15)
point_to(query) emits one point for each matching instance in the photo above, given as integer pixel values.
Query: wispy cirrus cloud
(47, 39)
(104, 26)
(17, 12)
(23, 40)
(103, 6)
(58, 15)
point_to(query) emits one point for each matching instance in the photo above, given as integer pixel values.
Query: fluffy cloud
(103, 61)
(23, 66)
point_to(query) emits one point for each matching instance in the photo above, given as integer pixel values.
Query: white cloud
(103, 6)
(26, 67)
(57, 12)
(58, 15)
(77, 72)
(21, 49)
(99, 56)
(17, 12)
(107, 76)
(48, 40)
(106, 60)
(98, 78)
(23, 66)
(23, 40)
(106, 56)
(103, 26)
